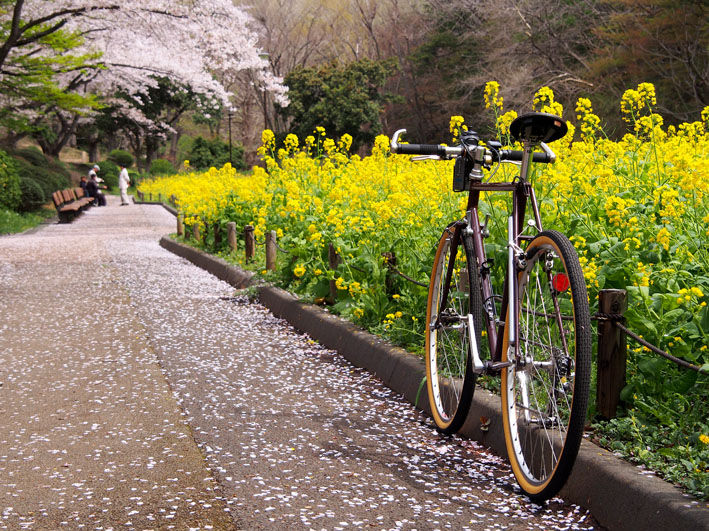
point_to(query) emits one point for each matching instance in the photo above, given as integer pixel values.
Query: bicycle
(538, 330)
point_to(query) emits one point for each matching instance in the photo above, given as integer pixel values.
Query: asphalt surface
(138, 393)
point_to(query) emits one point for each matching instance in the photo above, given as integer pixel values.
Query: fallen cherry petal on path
(179, 407)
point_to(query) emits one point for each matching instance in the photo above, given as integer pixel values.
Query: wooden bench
(70, 203)
(82, 197)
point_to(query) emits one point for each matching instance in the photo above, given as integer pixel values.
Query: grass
(14, 222)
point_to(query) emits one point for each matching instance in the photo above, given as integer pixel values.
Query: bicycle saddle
(536, 127)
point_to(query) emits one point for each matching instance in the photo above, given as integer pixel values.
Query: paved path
(136, 395)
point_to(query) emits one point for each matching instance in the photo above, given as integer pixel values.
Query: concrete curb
(618, 494)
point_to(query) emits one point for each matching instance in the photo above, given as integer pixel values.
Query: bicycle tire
(450, 379)
(545, 396)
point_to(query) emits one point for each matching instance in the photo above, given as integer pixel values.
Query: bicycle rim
(449, 370)
(545, 393)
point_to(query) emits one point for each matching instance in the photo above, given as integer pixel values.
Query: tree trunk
(174, 140)
(93, 149)
(151, 147)
(64, 129)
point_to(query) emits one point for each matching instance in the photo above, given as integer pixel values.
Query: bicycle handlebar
(445, 152)
(449, 152)
(516, 156)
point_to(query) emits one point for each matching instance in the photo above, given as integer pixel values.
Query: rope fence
(618, 322)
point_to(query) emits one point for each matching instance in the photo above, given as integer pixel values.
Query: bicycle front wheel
(545, 390)
(453, 296)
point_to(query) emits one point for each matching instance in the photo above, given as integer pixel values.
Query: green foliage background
(10, 193)
(344, 99)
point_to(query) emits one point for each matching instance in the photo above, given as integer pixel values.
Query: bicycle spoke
(448, 366)
(543, 418)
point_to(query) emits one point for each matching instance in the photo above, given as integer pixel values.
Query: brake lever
(549, 152)
(394, 145)
(426, 157)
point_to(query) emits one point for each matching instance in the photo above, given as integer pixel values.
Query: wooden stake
(333, 261)
(612, 353)
(250, 242)
(217, 235)
(271, 250)
(231, 235)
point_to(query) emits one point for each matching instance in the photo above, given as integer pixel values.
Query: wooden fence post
(390, 275)
(250, 242)
(180, 225)
(231, 235)
(612, 353)
(271, 250)
(195, 231)
(217, 235)
(333, 261)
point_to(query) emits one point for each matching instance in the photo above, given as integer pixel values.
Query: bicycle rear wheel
(545, 392)
(450, 379)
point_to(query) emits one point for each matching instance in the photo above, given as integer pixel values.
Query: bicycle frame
(539, 335)
(522, 195)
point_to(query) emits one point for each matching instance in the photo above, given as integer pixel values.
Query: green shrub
(162, 167)
(184, 148)
(57, 166)
(121, 157)
(109, 173)
(33, 155)
(26, 171)
(9, 182)
(32, 197)
(207, 153)
(48, 175)
(46, 178)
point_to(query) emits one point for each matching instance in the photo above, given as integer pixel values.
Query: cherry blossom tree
(95, 47)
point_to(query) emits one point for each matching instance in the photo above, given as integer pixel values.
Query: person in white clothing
(123, 182)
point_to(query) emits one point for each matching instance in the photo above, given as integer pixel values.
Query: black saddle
(536, 127)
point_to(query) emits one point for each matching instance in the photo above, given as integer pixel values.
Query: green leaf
(626, 394)
(704, 322)
(685, 382)
(595, 247)
(651, 367)
(687, 464)
(667, 452)
(673, 315)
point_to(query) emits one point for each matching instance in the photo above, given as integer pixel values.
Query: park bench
(70, 203)
(81, 196)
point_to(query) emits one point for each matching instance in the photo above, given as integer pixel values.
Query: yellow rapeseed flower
(299, 271)
(663, 238)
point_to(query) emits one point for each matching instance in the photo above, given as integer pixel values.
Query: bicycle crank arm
(494, 367)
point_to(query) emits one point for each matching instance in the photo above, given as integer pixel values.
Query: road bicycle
(538, 329)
